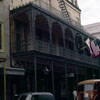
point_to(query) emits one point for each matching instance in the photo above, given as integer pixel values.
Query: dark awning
(13, 71)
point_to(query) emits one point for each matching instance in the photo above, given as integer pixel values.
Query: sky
(90, 11)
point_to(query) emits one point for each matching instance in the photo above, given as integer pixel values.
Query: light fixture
(46, 70)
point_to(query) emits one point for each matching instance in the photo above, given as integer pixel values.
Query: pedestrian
(75, 94)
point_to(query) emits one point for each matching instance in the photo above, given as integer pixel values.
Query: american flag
(88, 44)
(95, 48)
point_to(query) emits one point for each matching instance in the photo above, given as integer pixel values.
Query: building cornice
(73, 5)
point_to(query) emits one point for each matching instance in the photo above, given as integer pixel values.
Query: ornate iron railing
(47, 48)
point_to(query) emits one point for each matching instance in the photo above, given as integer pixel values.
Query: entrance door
(72, 85)
(60, 86)
(44, 81)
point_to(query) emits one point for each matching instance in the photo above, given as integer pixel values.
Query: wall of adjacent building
(93, 29)
(6, 31)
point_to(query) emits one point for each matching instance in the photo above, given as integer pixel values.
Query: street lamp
(46, 70)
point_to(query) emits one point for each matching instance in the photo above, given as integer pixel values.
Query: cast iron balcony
(62, 52)
(46, 48)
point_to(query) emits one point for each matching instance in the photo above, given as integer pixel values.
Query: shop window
(0, 36)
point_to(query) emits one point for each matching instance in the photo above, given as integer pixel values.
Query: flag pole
(83, 48)
(3, 45)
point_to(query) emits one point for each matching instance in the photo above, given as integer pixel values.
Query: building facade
(71, 5)
(7, 73)
(93, 29)
(45, 50)
(49, 49)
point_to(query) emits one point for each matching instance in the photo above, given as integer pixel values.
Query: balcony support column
(33, 28)
(77, 73)
(83, 44)
(31, 16)
(50, 30)
(66, 80)
(62, 52)
(74, 36)
(74, 39)
(52, 67)
(63, 30)
(50, 34)
(35, 72)
(99, 73)
(83, 39)
(85, 73)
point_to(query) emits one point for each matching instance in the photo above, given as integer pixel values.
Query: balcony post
(77, 73)
(83, 39)
(73, 40)
(33, 28)
(66, 80)
(74, 35)
(85, 73)
(50, 34)
(50, 30)
(99, 73)
(52, 67)
(31, 17)
(35, 72)
(63, 30)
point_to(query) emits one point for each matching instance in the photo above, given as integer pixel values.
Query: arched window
(42, 28)
(57, 34)
(69, 43)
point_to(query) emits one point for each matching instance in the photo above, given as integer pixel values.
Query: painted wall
(93, 29)
(6, 28)
(71, 7)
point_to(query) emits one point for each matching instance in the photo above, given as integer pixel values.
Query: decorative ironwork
(63, 52)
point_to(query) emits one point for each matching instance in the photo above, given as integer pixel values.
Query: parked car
(35, 96)
(89, 90)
